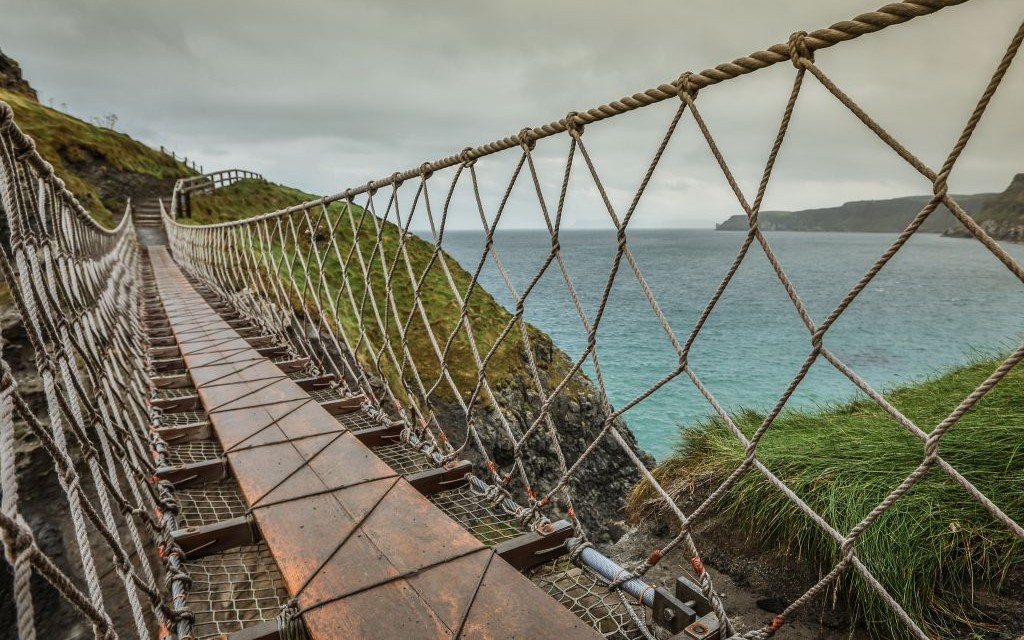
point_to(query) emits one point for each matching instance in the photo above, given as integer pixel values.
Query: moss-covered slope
(100, 166)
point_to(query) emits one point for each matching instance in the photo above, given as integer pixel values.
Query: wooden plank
(188, 475)
(536, 547)
(197, 542)
(434, 481)
(359, 548)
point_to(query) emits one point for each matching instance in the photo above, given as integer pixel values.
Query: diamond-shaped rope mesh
(393, 316)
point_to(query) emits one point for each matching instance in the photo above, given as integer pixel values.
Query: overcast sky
(326, 94)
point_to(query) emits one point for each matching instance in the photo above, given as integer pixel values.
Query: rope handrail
(25, 148)
(393, 315)
(76, 288)
(844, 31)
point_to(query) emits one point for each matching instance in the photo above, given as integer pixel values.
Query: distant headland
(1000, 214)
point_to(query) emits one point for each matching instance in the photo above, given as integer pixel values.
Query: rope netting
(76, 286)
(394, 317)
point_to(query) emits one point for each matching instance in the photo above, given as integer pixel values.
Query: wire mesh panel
(190, 452)
(358, 420)
(474, 514)
(233, 589)
(210, 503)
(584, 593)
(181, 418)
(403, 458)
(175, 392)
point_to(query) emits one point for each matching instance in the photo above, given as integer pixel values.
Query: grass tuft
(933, 549)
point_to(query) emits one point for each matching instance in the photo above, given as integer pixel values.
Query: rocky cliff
(12, 80)
(1001, 216)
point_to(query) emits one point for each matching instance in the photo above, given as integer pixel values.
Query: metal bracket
(536, 547)
(705, 625)
(451, 476)
(380, 436)
(341, 406)
(671, 613)
(187, 475)
(197, 542)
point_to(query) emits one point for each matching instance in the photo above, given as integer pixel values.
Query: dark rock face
(600, 486)
(41, 499)
(11, 78)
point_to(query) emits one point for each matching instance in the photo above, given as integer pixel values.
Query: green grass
(77, 149)
(933, 548)
(242, 199)
(250, 197)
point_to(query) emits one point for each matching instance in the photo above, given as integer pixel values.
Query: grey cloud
(325, 95)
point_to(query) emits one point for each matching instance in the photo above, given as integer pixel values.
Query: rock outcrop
(11, 78)
(1002, 215)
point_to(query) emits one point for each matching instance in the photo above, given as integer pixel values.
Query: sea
(939, 303)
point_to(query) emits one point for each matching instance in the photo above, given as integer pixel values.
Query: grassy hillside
(1006, 207)
(250, 197)
(100, 166)
(934, 548)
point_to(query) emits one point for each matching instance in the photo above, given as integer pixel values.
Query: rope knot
(6, 116)
(467, 157)
(396, 180)
(371, 187)
(426, 170)
(526, 139)
(799, 51)
(686, 86)
(574, 124)
(23, 146)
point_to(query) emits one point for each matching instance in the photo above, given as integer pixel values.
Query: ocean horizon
(914, 320)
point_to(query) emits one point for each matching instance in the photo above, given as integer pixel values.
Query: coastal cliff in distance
(1001, 215)
(871, 216)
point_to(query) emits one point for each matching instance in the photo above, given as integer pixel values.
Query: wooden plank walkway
(364, 554)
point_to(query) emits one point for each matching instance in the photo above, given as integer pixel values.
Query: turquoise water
(939, 302)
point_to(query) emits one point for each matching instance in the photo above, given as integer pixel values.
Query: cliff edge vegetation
(1002, 215)
(99, 165)
(937, 550)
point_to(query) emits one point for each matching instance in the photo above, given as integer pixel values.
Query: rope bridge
(357, 336)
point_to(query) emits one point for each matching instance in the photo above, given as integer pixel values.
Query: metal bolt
(668, 615)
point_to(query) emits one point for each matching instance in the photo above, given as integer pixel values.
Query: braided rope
(367, 284)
